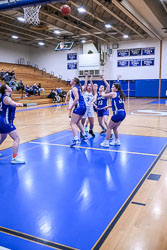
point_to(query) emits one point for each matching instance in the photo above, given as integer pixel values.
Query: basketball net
(31, 14)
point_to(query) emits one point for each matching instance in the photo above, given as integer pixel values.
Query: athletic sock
(14, 155)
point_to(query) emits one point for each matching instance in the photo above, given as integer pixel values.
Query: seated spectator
(6, 78)
(53, 94)
(35, 89)
(20, 86)
(28, 90)
(2, 74)
(13, 84)
(12, 74)
(40, 88)
(58, 90)
(63, 94)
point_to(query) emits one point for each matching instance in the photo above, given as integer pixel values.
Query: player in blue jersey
(7, 115)
(79, 110)
(118, 116)
(101, 104)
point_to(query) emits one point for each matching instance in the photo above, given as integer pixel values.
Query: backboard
(64, 46)
(11, 4)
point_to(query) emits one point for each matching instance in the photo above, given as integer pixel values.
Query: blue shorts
(102, 112)
(6, 128)
(118, 116)
(80, 110)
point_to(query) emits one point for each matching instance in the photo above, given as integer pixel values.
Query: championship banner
(71, 65)
(72, 56)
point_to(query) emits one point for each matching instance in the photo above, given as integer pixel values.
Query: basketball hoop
(31, 14)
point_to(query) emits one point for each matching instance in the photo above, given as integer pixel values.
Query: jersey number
(100, 102)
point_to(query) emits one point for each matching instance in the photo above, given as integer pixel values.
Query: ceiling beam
(117, 17)
(42, 35)
(23, 35)
(128, 10)
(88, 24)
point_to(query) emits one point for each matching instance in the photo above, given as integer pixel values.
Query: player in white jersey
(89, 97)
(95, 87)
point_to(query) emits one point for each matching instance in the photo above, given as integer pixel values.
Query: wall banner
(148, 51)
(148, 62)
(122, 63)
(122, 52)
(135, 52)
(71, 65)
(72, 56)
(134, 62)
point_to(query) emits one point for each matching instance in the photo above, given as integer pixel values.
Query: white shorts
(89, 112)
(70, 103)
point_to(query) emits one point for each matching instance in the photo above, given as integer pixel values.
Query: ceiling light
(41, 43)
(81, 10)
(83, 41)
(15, 37)
(125, 36)
(57, 31)
(107, 25)
(21, 19)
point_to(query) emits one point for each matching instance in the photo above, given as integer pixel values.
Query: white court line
(90, 148)
(4, 248)
(25, 150)
(150, 112)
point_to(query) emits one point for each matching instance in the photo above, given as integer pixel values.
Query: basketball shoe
(16, 160)
(75, 143)
(105, 144)
(91, 133)
(115, 143)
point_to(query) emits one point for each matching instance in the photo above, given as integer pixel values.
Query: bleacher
(29, 75)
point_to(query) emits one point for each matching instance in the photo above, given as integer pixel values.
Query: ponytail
(77, 82)
(2, 90)
(118, 87)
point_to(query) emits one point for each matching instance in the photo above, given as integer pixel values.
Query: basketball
(65, 10)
